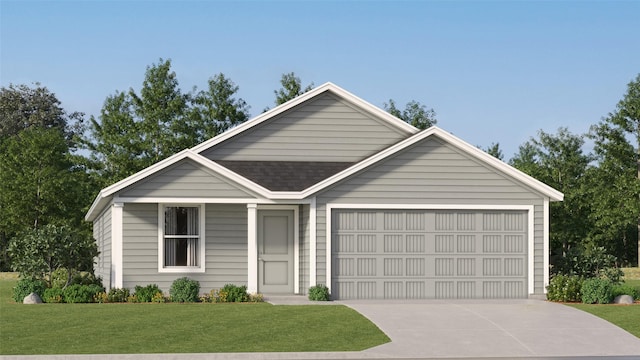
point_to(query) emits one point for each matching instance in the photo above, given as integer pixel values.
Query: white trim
(545, 247)
(201, 240)
(530, 251)
(328, 245)
(296, 240)
(347, 96)
(530, 226)
(313, 243)
(430, 206)
(252, 248)
(116, 245)
(173, 200)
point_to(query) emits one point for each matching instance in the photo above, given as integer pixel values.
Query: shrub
(256, 298)
(158, 298)
(52, 295)
(26, 286)
(319, 292)
(86, 278)
(234, 293)
(565, 288)
(118, 295)
(101, 297)
(588, 261)
(59, 278)
(624, 289)
(597, 291)
(146, 293)
(80, 293)
(205, 298)
(184, 290)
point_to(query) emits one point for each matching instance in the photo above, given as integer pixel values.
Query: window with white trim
(182, 240)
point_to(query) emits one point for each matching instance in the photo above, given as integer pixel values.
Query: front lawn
(179, 328)
(624, 316)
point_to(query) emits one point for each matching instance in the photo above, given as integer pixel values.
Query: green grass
(624, 316)
(179, 328)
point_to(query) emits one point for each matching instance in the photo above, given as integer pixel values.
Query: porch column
(252, 248)
(116, 245)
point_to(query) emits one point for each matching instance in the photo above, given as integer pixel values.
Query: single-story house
(329, 189)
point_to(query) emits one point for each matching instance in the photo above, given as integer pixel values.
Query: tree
(36, 131)
(613, 193)
(161, 109)
(217, 110)
(495, 151)
(616, 181)
(23, 107)
(414, 113)
(39, 184)
(627, 117)
(39, 252)
(291, 88)
(116, 142)
(558, 160)
(134, 131)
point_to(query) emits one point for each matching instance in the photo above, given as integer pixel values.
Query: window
(181, 242)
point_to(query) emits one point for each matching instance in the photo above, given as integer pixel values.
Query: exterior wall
(304, 248)
(225, 247)
(185, 179)
(324, 129)
(102, 236)
(431, 172)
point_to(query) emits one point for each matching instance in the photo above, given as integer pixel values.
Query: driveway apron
(492, 328)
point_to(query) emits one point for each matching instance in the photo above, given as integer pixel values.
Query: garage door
(428, 254)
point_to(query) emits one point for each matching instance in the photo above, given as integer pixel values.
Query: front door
(275, 251)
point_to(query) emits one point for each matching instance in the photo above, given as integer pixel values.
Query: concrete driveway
(491, 328)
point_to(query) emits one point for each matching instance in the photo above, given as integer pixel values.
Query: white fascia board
(328, 86)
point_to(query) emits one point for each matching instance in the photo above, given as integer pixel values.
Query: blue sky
(493, 71)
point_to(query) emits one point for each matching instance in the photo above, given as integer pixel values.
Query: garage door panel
(421, 254)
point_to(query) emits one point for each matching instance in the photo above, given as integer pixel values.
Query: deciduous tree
(559, 161)
(291, 88)
(216, 109)
(414, 113)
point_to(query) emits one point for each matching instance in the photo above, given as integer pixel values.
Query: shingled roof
(285, 175)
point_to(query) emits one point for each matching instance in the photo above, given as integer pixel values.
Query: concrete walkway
(474, 329)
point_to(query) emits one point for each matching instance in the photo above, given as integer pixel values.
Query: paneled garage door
(423, 254)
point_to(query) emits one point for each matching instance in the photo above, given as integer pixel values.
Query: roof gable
(186, 179)
(356, 103)
(326, 128)
(453, 141)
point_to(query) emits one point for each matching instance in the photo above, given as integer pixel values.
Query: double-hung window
(182, 239)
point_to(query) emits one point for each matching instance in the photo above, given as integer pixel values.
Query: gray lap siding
(324, 129)
(102, 236)
(225, 247)
(419, 176)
